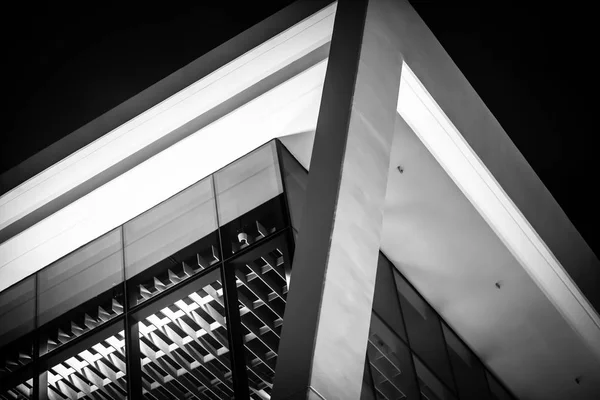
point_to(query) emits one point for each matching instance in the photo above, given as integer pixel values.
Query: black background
(65, 64)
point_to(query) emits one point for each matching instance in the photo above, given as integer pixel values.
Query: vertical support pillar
(133, 358)
(235, 333)
(324, 338)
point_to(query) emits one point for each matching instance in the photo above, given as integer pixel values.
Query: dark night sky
(64, 66)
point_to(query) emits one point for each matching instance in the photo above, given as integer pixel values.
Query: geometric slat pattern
(90, 320)
(20, 392)
(179, 272)
(15, 359)
(262, 291)
(185, 351)
(96, 373)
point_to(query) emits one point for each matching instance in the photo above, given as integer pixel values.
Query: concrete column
(324, 338)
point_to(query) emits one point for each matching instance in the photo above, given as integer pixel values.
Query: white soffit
(167, 116)
(289, 108)
(421, 112)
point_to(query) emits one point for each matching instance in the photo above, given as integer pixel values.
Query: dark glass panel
(174, 269)
(389, 362)
(249, 199)
(171, 242)
(385, 298)
(468, 370)
(17, 322)
(368, 386)
(80, 291)
(255, 225)
(431, 387)
(183, 343)
(424, 330)
(296, 179)
(262, 292)
(497, 389)
(92, 369)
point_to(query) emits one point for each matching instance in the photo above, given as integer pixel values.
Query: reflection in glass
(468, 370)
(389, 364)
(424, 330)
(249, 199)
(385, 298)
(169, 227)
(155, 239)
(184, 346)
(17, 321)
(80, 291)
(174, 269)
(96, 372)
(247, 183)
(262, 292)
(430, 386)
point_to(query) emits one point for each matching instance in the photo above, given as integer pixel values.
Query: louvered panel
(185, 350)
(90, 319)
(262, 292)
(95, 373)
(21, 391)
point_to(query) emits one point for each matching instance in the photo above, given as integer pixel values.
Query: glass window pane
(159, 241)
(468, 370)
(296, 179)
(497, 389)
(250, 199)
(431, 387)
(385, 298)
(17, 322)
(184, 344)
(389, 361)
(96, 369)
(80, 291)
(424, 330)
(262, 293)
(368, 385)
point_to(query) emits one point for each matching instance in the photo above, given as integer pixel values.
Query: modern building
(320, 208)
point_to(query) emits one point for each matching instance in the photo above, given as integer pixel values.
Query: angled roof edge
(160, 91)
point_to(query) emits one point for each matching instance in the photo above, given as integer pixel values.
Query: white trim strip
(167, 116)
(290, 108)
(444, 141)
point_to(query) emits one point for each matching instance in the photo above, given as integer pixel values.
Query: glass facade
(187, 301)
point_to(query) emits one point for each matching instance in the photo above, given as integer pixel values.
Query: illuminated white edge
(418, 108)
(291, 107)
(160, 120)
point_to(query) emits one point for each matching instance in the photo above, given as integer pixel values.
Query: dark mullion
(40, 378)
(234, 324)
(133, 360)
(235, 333)
(40, 383)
